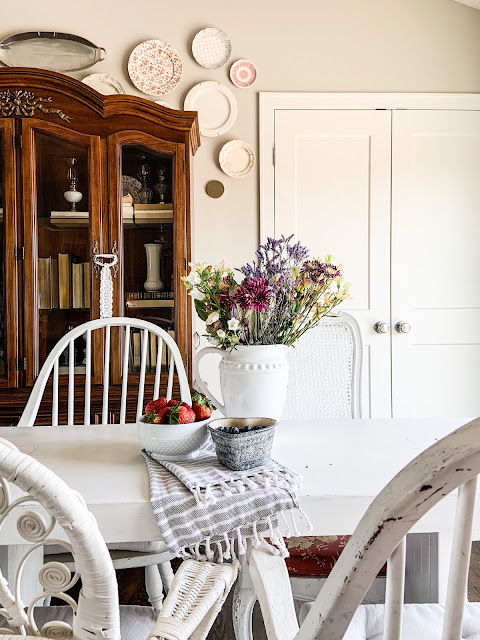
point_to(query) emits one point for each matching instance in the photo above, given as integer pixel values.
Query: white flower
(214, 341)
(196, 294)
(233, 324)
(193, 278)
(213, 317)
(221, 334)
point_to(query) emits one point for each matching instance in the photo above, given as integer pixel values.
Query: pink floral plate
(155, 67)
(243, 73)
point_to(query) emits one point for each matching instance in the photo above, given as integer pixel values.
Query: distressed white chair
(152, 555)
(451, 463)
(197, 593)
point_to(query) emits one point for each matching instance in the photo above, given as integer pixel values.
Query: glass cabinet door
(9, 253)
(62, 220)
(150, 222)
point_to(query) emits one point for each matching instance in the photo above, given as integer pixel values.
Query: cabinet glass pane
(63, 270)
(3, 287)
(149, 252)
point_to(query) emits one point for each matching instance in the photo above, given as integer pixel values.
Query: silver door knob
(381, 327)
(402, 327)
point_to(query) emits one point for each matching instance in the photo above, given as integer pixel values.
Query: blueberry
(235, 430)
(247, 427)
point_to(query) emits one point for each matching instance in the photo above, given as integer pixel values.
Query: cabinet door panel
(332, 189)
(62, 223)
(148, 225)
(435, 262)
(9, 321)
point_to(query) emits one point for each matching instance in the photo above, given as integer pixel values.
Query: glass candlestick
(161, 186)
(145, 194)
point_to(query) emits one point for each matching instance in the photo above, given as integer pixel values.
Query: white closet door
(332, 189)
(436, 263)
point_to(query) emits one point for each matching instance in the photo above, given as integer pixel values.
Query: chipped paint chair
(44, 507)
(151, 555)
(451, 463)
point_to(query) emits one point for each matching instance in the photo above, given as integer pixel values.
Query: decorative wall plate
(131, 187)
(237, 158)
(155, 67)
(50, 50)
(243, 73)
(163, 103)
(216, 106)
(103, 83)
(211, 48)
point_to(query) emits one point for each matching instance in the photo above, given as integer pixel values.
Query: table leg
(10, 558)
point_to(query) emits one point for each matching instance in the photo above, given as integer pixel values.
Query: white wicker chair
(325, 371)
(451, 463)
(196, 595)
(152, 556)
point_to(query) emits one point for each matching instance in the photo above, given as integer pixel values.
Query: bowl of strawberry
(174, 430)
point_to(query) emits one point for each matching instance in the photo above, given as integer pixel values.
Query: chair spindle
(55, 395)
(106, 375)
(143, 367)
(71, 382)
(171, 370)
(394, 592)
(88, 375)
(158, 369)
(126, 353)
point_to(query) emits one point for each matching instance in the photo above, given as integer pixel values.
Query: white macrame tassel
(106, 282)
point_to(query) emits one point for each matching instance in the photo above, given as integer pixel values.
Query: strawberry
(173, 403)
(202, 407)
(156, 405)
(162, 416)
(181, 414)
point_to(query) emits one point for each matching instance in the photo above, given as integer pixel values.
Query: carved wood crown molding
(24, 103)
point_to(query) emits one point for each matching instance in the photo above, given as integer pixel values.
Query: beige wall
(307, 45)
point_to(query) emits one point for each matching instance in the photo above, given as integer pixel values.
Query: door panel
(435, 262)
(332, 189)
(62, 222)
(9, 317)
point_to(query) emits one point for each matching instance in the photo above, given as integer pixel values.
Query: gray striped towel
(202, 508)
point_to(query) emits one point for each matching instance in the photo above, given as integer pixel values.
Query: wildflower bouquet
(281, 295)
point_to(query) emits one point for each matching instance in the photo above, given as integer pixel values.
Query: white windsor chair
(151, 555)
(197, 593)
(451, 463)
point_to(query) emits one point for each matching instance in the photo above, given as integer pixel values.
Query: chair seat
(315, 555)
(420, 622)
(135, 622)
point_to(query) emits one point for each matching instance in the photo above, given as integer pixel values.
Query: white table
(345, 463)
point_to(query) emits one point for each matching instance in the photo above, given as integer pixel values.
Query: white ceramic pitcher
(253, 380)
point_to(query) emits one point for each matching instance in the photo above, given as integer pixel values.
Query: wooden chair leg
(154, 586)
(166, 575)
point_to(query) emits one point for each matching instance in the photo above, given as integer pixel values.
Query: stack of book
(144, 214)
(149, 295)
(136, 345)
(69, 218)
(63, 283)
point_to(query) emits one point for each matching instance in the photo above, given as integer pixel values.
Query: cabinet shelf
(148, 304)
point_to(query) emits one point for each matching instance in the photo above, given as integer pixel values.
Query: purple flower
(254, 293)
(227, 300)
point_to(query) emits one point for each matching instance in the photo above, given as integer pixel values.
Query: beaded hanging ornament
(106, 282)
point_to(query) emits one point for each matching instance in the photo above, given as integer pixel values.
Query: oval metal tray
(50, 50)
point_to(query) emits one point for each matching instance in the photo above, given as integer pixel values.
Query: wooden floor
(132, 591)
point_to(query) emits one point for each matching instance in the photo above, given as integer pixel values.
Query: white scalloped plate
(237, 158)
(211, 48)
(216, 106)
(104, 83)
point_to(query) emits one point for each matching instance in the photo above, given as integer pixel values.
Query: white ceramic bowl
(172, 441)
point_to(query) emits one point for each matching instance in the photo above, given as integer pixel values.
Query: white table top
(345, 463)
